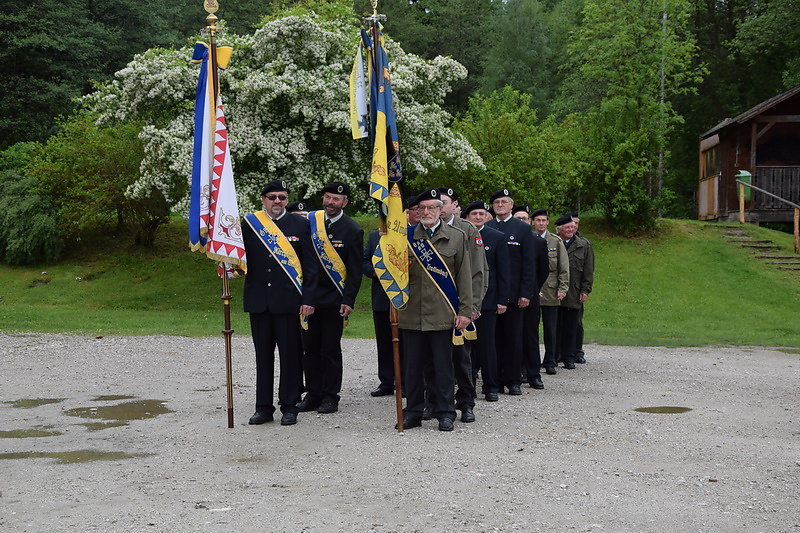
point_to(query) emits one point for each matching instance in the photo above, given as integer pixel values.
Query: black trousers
(567, 333)
(383, 342)
(508, 339)
(550, 334)
(530, 340)
(419, 349)
(270, 330)
(579, 346)
(484, 353)
(323, 354)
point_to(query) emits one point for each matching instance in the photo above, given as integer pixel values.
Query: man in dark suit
(276, 302)
(527, 258)
(484, 351)
(335, 298)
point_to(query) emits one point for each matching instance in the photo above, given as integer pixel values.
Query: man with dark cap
(527, 258)
(554, 289)
(530, 322)
(462, 361)
(484, 351)
(522, 212)
(298, 208)
(438, 310)
(279, 291)
(581, 278)
(338, 242)
(579, 354)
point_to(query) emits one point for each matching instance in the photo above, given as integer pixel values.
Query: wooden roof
(754, 111)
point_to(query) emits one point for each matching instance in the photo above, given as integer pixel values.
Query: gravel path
(575, 456)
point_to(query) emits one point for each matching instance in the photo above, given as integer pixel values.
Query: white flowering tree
(286, 100)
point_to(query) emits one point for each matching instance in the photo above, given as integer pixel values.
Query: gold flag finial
(374, 7)
(211, 6)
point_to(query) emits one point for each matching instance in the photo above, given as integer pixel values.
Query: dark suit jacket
(347, 238)
(266, 286)
(527, 259)
(494, 245)
(380, 302)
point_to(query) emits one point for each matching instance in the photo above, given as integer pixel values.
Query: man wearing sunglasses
(338, 242)
(279, 292)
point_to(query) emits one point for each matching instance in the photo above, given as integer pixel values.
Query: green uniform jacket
(558, 279)
(581, 272)
(427, 308)
(477, 261)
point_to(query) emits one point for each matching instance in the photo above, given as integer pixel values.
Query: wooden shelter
(764, 141)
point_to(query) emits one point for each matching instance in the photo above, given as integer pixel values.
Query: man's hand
(345, 310)
(462, 322)
(523, 302)
(501, 309)
(306, 310)
(476, 315)
(561, 296)
(584, 297)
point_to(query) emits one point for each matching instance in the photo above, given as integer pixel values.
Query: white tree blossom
(286, 100)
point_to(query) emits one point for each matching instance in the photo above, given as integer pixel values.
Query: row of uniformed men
(496, 269)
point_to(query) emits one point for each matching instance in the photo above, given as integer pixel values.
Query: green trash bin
(746, 177)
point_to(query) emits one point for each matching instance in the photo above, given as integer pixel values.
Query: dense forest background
(650, 75)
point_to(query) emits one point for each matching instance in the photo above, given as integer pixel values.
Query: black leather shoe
(536, 383)
(381, 391)
(410, 422)
(467, 415)
(570, 366)
(328, 406)
(260, 417)
(580, 360)
(514, 390)
(491, 397)
(308, 404)
(427, 413)
(551, 370)
(445, 424)
(289, 419)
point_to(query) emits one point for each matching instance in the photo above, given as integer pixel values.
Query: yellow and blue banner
(278, 245)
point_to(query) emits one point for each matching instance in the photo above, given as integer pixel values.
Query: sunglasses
(273, 197)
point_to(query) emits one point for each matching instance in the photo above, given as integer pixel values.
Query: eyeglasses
(273, 197)
(428, 207)
(502, 201)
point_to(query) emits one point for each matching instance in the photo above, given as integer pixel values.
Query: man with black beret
(297, 208)
(581, 278)
(279, 291)
(338, 242)
(527, 269)
(554, 289)
(438, 310)
(522, 212)
(484, 351)
(579, 354)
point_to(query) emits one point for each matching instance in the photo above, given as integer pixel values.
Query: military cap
(563, 219)
(411, 201)
(429, 194)
(294, 207)
(337, 187)
(540, 213)
(274, 186)
(479, 204)
(499, 194)
(448, 191)
(518, 208)
(574, 215)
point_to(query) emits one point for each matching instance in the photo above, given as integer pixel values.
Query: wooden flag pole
(211, 6)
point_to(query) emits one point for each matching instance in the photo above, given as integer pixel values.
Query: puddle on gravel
(97, 426)
(112, 397)
(122, 413)
(77, 456)
(36, 431)
(664, 410)
(28, 403)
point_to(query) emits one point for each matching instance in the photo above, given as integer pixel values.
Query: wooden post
(741, 203)
(398, 376)
(796, 230)
(227, 333)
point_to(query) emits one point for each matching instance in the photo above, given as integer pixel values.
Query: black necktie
(327, 223)
(429, 231)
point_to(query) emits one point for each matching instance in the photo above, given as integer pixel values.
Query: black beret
(499, 194)
(294, 207)
(563, 219)
(273, 186)
(518, 208)
(448, 191)
(411, 202)
(337, 187)
(479, 204)
(540, 213)
(429, 194)
(574, 215)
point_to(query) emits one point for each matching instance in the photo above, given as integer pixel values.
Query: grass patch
(684, 286)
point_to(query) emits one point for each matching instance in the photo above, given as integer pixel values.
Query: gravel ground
(575, 456)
